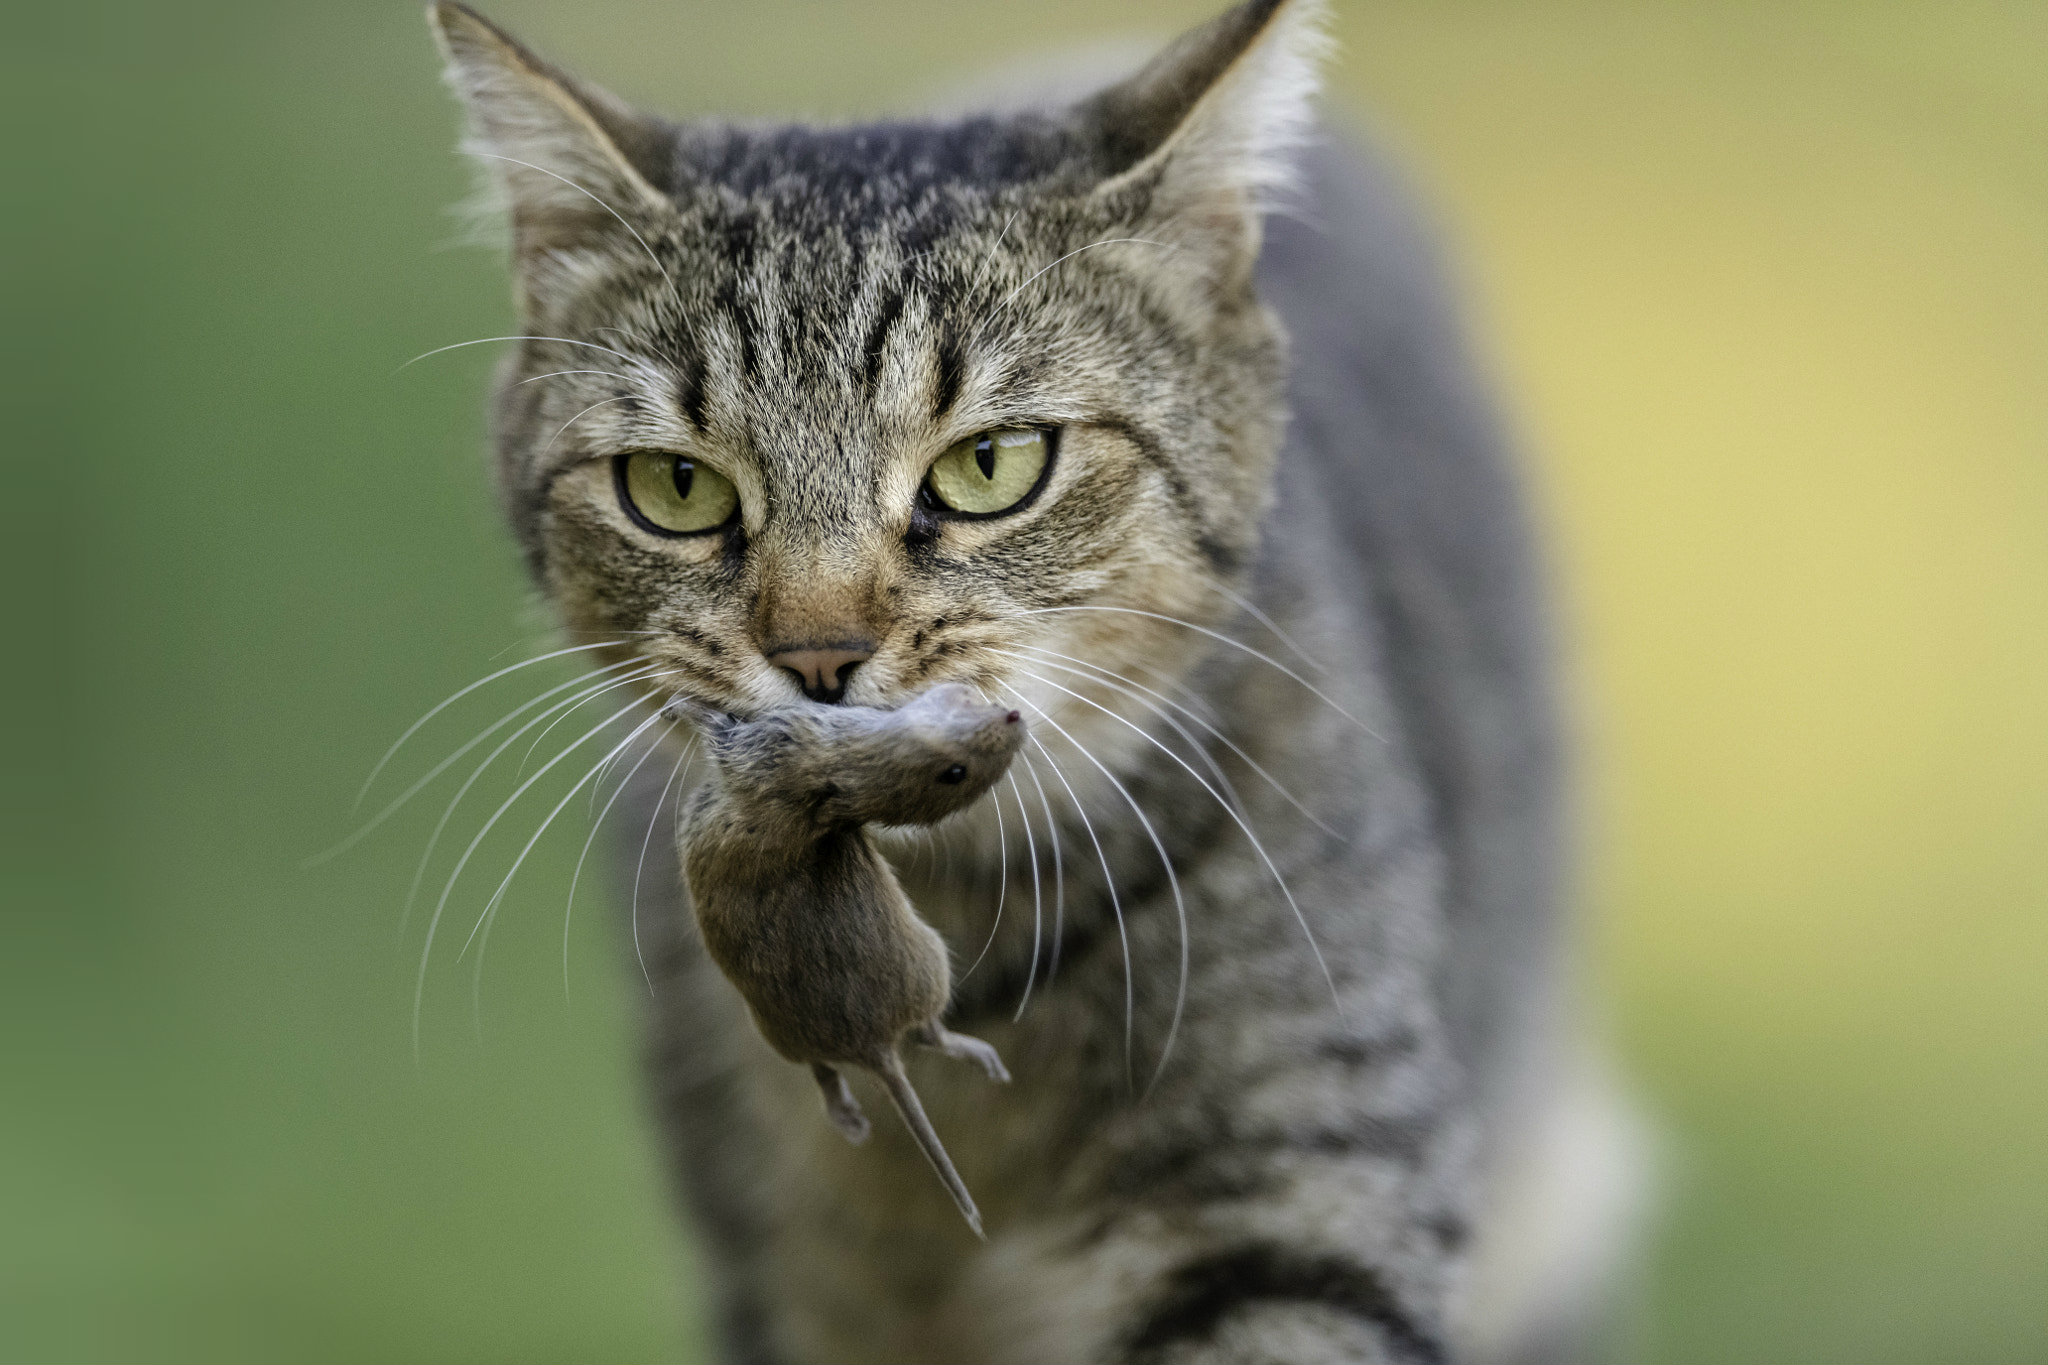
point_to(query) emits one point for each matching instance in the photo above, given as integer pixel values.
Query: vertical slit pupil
(685, 472)
(985, 457)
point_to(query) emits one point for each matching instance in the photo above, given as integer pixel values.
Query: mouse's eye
(953, 776)
(991, 474)
(674, 495)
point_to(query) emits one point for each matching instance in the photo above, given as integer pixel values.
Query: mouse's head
(934, 756)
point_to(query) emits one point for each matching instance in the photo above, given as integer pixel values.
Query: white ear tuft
(1228, 103)
(1246, 130)
(564, 160)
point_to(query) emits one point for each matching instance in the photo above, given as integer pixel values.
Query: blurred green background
(1767, 286)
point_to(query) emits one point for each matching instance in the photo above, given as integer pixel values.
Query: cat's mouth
(701, 708)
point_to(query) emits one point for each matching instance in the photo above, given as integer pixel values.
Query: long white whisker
(448, 813)
(1259, 847)
(594, 199)
(1115, 904)
(981, 276)
(409, 793)
(613, 374)
(1222, 738)
(1002, 885)
(597, 784)
(538, 638)
(1198, 704)
(441, 905)
(640, 868)
(1180, 908)
(480, 933)
(1059, 881)
(1199, 749)
(577, 418)
(491, 905)
(1251, 609)
(414, 728)
(1221, 638)
(485, 341)
(526, 757)
(1111, 241)
(569, 909)
(1037, 903)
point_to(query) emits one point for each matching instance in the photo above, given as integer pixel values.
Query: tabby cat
(1266, 919)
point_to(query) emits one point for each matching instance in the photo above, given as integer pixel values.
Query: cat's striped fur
(1272, 1094)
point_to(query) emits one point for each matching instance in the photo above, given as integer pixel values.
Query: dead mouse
(801, 912)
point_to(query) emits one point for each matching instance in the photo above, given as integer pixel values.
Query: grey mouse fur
(806, 918)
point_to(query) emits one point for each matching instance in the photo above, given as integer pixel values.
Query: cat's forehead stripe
(875, 350)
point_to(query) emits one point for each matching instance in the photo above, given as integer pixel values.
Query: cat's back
(1396, 476)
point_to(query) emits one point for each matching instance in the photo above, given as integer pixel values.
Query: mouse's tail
(890, 1068)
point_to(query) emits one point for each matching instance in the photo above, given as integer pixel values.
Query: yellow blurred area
(1770, 288)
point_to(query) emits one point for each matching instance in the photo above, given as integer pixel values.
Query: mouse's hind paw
(962, 1048)
(840, 1105)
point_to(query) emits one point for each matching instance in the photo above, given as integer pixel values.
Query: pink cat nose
(823, 669)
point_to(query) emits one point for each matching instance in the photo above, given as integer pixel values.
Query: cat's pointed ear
(1202, 136)
(573, 164)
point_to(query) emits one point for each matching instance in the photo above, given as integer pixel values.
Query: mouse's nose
(823, 669)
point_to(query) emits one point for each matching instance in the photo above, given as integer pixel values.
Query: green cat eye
(673, 495)
(995, 472)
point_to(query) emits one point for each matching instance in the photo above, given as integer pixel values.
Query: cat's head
(851, 411)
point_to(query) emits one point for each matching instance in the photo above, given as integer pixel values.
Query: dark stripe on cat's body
(1204, 1167)
(1202, 1295)
(1355, 1052)
(1404, 1139)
